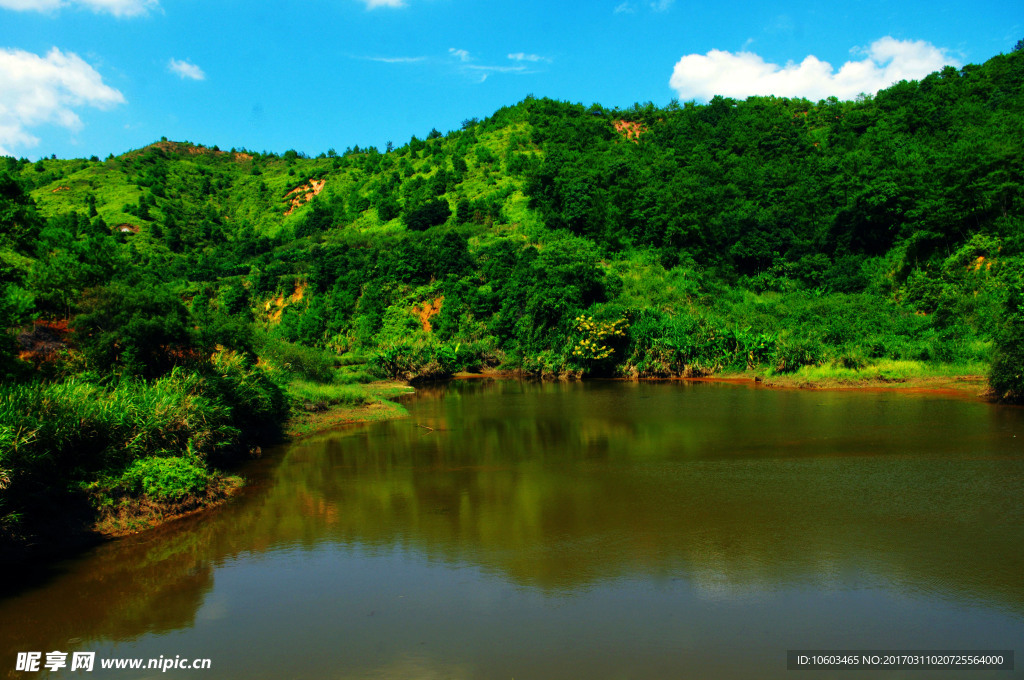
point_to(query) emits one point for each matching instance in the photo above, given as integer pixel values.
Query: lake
(598, 530)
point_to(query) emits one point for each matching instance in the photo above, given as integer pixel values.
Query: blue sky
(85, 77)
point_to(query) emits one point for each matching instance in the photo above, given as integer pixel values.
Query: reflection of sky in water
(605, 530)
(349, 613)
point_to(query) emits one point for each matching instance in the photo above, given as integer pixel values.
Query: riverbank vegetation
(167, 310)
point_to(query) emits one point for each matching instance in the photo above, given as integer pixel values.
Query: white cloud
(701, 76)
(46, 90)
(627, 7)
(33, 5)
(520, 56)
(480, 72)
(373, 4)
(119, 8)
(496, 69)
(394, 60)
(186, 69)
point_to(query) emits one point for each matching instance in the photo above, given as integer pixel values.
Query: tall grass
(886, 370)
(290, 358)
(314, 396)
(59, 439)
(84, 425)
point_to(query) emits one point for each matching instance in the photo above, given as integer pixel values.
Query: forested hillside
(164, 307)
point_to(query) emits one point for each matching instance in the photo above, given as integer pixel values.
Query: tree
(462, 211)
(451, 257)
(428, 214)
(141, 329)
(234, 299)
(318, 220)
(388, 208)
(19, 221)
(10, 365)
(485, 156)
(1007, 373)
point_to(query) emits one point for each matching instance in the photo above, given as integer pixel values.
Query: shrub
(165, 479)
(595, 344)
(428, 214)
(423, 358)
(257, 403)
(139, 329)
(791, 354)
(1007, 373)
(309, 362)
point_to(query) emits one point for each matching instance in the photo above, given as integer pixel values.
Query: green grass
(371, 403)
(887, 370)
(353, 376)
(352, 359)
(314, 396)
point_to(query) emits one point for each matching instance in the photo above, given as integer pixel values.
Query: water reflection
(554, 490)
(610, 498)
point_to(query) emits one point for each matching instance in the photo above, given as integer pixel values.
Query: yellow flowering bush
(598, 337)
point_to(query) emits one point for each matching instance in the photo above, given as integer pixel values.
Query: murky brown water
(602, 530)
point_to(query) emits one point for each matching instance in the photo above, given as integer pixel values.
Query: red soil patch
(275, 307)
(304, 193)
(43, 341)
(428, 310)
(629, 129)
(181, 148)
